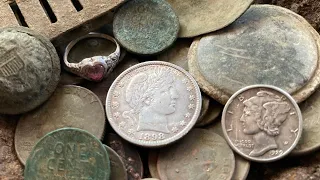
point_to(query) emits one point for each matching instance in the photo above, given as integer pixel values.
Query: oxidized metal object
(153, 104)
(262, 123)
(29, 70)
(69, 106)
(146, 26)
(68, 153)
(202, 154)
(118, 170)
(93, 68)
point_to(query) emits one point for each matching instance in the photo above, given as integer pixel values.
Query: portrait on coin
(262, 118)
(152, 97)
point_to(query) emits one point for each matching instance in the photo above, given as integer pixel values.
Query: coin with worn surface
(214, 110)
(69, 106)
(200, 17)
(10, 166)
(152, 163)
(29, 70)
(153, 104)
(101, 89)
(118, 170)
(204, 107)
(68, 153)
(281, 59)
(200, 155)
(129, 155)
(146, 26)
(262, 123)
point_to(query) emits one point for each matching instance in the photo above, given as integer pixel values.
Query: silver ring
(94, 68)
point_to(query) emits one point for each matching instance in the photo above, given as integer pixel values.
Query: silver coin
(153, 104)
(262, 123)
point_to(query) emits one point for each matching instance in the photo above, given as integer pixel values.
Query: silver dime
(262, 123)
(153, 104)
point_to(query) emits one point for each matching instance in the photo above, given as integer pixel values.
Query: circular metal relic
(29, 70)
(153, 104)
(214, 110)
(68, 153)
(69, 106)
(200, 155)
(146, 26)
(93, 68)
(200, 17)
(118, 170)
(262, 123)
(250, 52)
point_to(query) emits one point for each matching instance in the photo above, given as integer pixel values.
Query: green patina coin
(146, 26)
(68, 153)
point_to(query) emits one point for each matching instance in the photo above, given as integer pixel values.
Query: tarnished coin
(200, 17)
(68, 153)
(152, 163)
(242, 166)
(29, 70)
(201, 155)
(118, 170)
(153, 104)
(250, 52)
(214, 110)
(101, 89)
(146, 26)
(129, 155)
(69, 106)
(204, 107)
(262, 123)
(10, 167)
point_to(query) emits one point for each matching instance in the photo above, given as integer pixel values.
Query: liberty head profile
(152, 96)
(262, 117)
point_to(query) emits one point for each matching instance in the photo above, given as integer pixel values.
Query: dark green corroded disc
(146, 26)
(68, 153)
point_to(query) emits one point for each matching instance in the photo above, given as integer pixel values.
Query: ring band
(94, 68)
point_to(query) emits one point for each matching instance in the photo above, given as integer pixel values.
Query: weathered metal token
(287, 59)
(200, 155)
(152, 163)
(129, 155)
(101, 89)
(242, 166)
(262, 123)
(204, 107)
(118, 170)
(213, 113)
(29, 70)
(10, 167)
(177, 54)
(309, 141)
(146, 26)
(200, 17)
(153, 104)
(69, 106)
(68, 153)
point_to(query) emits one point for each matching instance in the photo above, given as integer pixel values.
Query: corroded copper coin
(29, 70)
(222, 66)
(129, 155)
(146, 26)
(200, 155)
(68, 153)
(262, 123)
(152, 163)
(117, 167)
(69, 106)
(153, 104)
(200, 17)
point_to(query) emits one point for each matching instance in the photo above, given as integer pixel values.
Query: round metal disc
(118, 170)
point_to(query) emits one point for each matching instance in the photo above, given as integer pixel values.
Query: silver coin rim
(223, 119)
(157, 143)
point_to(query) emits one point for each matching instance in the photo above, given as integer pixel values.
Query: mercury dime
(153, 104)
(201, 155)
(68, 153)
(200, 17)
(118, 170)
(146, 26)
(262, 123)
(70, 106)
(29, 70)
(287, 59)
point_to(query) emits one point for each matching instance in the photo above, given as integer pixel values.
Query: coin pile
(168, 107)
